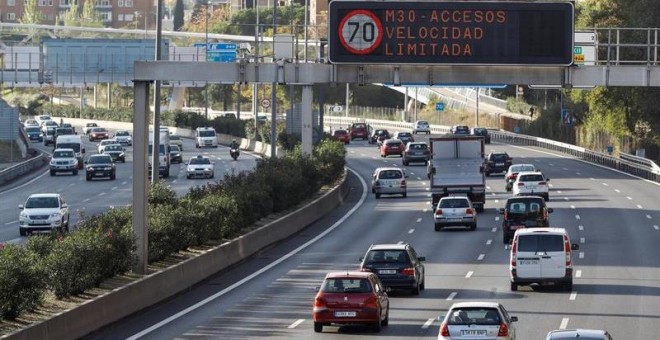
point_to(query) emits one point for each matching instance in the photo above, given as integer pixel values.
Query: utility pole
(155, 149)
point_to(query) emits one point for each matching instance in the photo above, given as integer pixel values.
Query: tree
(31, 16)
(178, 15)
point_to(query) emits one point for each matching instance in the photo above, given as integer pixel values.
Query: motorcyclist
(234, 145)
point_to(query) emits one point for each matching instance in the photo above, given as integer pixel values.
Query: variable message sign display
(474, 33)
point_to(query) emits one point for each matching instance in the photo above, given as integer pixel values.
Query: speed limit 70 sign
(360, 31)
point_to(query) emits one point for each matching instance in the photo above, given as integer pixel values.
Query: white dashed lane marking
(296, 323)
(605, 184)
(639, 206)
(559, 191)
(564, 323)
(451, 296)
(566, 198)
(572, 206)
(469, 274)
(578, 273)
(629, 198)
(497, 218)
(577, 217)
(113, 188)
(648, 216)
(581, 255)
(411, 231)
(617, 190)
(86, 200)
(580, 227)
(573, 296)
(582, 240)
(494, 229)
(481, 257)
(428, 323)
(591, 178)
(656, 227)
(419, 219)
(489, 242)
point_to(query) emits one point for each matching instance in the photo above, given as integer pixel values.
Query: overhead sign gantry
(451, 33)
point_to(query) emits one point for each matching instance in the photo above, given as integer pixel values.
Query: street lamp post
(206, 49)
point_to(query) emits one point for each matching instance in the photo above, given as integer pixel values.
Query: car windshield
(113, 148)
(174, 148)
(63, 154)
(99, 160)
(340, 132)
(474, 316)
(121, 133)
(454, 203)
(389, 256)
(394, 143)
(480, 130)
(390, 174)
(532, 178)
(42, 202)
(98, 130)
(206, 133)
(422, 123)
(32, 129)
(91, 125)
(200, 161)
(346, 285)
(404, 134)
(173, 137)
(544, 243)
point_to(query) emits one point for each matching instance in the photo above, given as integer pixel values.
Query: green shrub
(22, 283)
(159, 194)
(331, 156)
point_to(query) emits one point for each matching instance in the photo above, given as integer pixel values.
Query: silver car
(478, 320)
(389, 181)
(582, 334)
(453, 211)
(421, 126)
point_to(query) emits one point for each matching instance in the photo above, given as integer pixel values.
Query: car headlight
(23, 215)
(121, 154)
(89, 168)
(55, 215)
(107, 168)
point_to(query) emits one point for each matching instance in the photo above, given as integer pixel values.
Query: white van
(541, 255)
(205, 136)
(72, 142)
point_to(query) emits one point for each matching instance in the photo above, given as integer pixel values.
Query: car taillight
(438, 211)
(514, 248)
(506, 215)
(521, 184)
(377, 184)
(320, 303)
(567, 251)
(504, 330)
(365, 269)
(512, 176)
(444, 329)
(370, 302)
(410, 271)
(403, 183)
(469, 211)
(541, 183)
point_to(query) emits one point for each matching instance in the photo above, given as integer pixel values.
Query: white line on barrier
(296, 323)
(260, 271)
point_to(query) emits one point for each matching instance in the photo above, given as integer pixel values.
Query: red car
(98, 133)
(391, 147)
(351, 298)
(342, 136)
(359, 130)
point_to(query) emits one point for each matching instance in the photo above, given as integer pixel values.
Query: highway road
(614, 218)
(98, 195)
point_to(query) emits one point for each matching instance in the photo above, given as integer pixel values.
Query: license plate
(99, 174)
(499, 164)
(387, 271)
(478, 332)
(453, 219)
(350, 314)
(528, 262)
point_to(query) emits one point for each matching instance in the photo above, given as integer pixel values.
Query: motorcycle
(234, 153)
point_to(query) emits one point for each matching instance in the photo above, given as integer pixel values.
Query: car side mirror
(514, 318)
(502, 211)
(421, 258)
(550, 210)
(316, 289)
(186, 163)
(575, 246)
(547, 179)
(433, 170)
(83, 150)
(21, 207)
(85, 162)
(361, 259)
(64, 205)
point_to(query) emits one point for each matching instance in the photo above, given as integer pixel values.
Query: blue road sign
(439, 106)
(565, 117)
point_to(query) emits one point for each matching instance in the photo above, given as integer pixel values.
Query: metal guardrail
(633, 168)
(9, 174)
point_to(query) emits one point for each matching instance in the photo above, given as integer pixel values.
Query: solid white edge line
(296, 323)
(26, 183)
(564, 323)
(428, 323)
(262, 270)
(451, 296)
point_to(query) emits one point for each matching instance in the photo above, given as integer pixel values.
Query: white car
(105, 142)
(542, 256)
(123, 137)
(512, 174)
(389, 181)
(453, 211)
(478, 320)
(43, 212)
(30, 122)
(531, 183)
(580, 333)
(421, 126)
(63, 160)
(199, 167)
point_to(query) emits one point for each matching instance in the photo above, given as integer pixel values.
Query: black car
(397, 266)
(175, 154)
(523, 212)
(497, 161)
(116, 151)
(483, 132)
(378, 135)
(100, 165)
(460, 130)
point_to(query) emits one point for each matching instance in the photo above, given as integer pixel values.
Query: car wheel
(386, 321)
(123, 160)
(546, 197)
(112, 177)
(480, 208)
(75, 172)
(438, 227)
(22, 231)
(166, 174)
(473, 226)
(377, 195)
(212, 175)
(318, 327)
(378, 326)
(89, 178)
(487, 174)
(415, 290)
(422, 286)
(404, 163)
(506, 239)
(52, 173)
(568, 285)
(405, 195)
(514, 286)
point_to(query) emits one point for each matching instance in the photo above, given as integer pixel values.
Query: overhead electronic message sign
(455, 33)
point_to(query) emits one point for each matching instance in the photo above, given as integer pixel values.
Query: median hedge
(103, 245)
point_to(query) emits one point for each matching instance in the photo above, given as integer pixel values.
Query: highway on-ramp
(612, 216)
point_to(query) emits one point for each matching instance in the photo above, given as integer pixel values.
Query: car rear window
(498, 157)
(532, 178)
(346, 285)
(359, 126)
(474, 316)
(454, 203)
(544, 243)
(522, 168)
(418, 146)
(524, 207)
(387, 256)
(393, 143)
(390, 174)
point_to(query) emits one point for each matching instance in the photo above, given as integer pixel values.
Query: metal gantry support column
(307, 128)
(140, 181)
